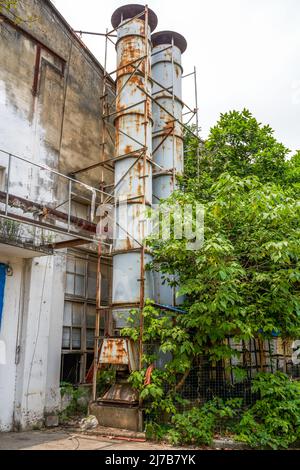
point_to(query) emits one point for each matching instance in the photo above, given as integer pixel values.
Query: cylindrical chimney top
(166, 37)
(130, 11)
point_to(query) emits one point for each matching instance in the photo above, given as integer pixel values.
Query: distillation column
(167, 141)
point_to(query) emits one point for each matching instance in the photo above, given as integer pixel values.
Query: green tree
(245, 279)
(242, 146)
(293, 173)
(237, 144)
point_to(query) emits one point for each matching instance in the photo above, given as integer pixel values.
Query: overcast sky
(247, 54)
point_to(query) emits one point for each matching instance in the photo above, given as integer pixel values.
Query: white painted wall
(32, 333)
(8, 336)
(37, 374)
(53, 398)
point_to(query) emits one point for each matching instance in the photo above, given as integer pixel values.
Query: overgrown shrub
(274, 420)
(9, 229)
(77, 401)
(199, 425)
(105, 378)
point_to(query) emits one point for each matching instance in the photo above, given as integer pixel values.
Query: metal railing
(46, 213)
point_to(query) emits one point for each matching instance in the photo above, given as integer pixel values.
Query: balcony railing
(33, 195)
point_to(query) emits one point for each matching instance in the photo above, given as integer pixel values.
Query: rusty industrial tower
(149, 154)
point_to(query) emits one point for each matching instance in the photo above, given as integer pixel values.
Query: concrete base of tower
(118, 416)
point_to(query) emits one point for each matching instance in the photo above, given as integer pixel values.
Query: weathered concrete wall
(50, 113)
(60, 125)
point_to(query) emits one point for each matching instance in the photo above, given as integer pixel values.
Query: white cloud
(247, 53)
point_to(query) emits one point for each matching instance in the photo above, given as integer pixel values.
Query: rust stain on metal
(148, 108)
(130, 52)
(140, 169)
(117, 134)
(123, 393)
(115, 351)
(137, 80)
(128, 243)
(128, 149)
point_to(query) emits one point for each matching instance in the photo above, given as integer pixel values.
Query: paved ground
(62, 440)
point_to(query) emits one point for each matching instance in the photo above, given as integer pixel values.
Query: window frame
(87, 301)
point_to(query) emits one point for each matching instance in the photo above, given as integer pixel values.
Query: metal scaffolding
(133, 152)
(133, 73)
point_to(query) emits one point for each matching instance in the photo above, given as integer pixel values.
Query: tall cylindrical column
(133, 166)
(167, 137)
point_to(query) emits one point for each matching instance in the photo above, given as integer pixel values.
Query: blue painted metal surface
(274, 333)
(170, 308)
(2, 287)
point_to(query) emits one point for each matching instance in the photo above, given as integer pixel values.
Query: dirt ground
(60, 439)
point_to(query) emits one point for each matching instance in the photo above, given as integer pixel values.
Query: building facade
(52, 177)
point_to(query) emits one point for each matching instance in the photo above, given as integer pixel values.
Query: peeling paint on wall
(58, 126)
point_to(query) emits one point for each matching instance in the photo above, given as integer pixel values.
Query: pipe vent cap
(166, 37)
(130, 11)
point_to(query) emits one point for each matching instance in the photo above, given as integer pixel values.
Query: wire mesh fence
(233, 377)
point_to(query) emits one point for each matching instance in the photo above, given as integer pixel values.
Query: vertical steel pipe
(133, 167)
(167, 138)
(8, 184)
